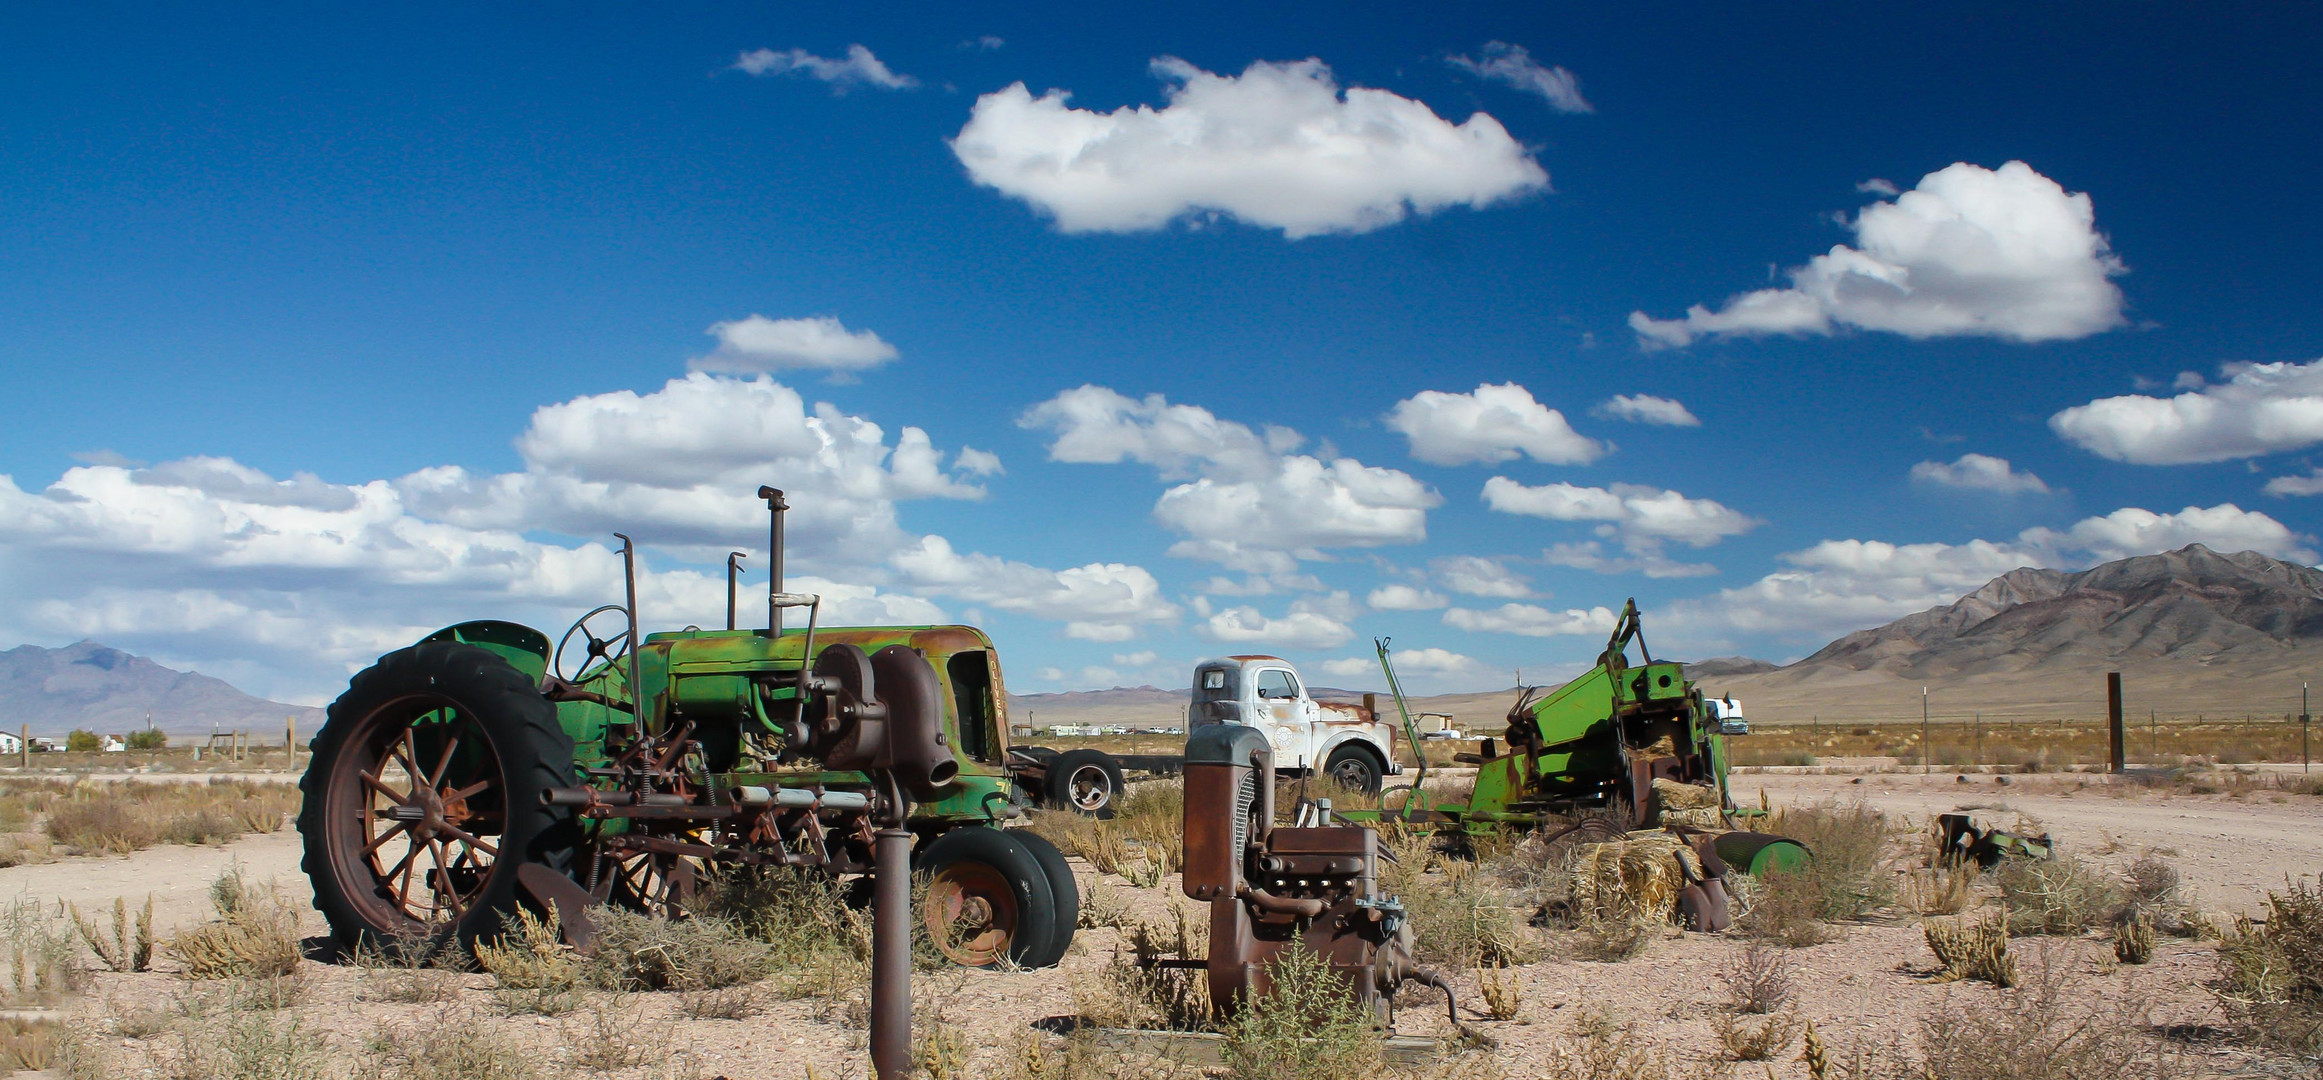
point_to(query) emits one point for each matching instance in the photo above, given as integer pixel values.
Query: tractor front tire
(988, 898)
(423, 797)
(1065, 892)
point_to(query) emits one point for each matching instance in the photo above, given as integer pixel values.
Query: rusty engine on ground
(1275, 889)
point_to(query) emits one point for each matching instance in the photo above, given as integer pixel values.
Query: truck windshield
(1277, 683)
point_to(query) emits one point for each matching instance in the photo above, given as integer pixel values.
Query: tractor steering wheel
(608, 649)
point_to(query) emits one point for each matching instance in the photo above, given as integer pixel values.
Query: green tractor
(482, 769)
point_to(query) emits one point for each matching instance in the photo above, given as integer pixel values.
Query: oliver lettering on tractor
(483, 768)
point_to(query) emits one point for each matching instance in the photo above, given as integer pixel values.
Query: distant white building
(10, 744)
(113, 744)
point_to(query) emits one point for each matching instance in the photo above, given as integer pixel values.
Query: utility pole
(2304, 720)
(1923, 729)
(2113, 721)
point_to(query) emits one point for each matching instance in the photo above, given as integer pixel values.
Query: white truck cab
(1347, 743)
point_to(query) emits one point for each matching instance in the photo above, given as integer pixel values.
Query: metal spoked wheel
(430, 806)
(654, 883)
(424, 795)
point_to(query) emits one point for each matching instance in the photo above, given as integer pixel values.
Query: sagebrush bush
(706, 952)
(255, 935)
(2270, 974)
(2056, 895)
(1309, 1028)
(534, 971)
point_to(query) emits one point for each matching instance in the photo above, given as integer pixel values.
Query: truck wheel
(1085, 782)
(1064, 891)
(424, 796)
(987, 899)
(1352, 767)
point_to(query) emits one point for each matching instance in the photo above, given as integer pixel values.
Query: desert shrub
(121, 817)
(614, 1035)
(532, 969)
(2133, 938)
(148, 739)
(1596, 1047)
(240, 1045)
(2152, 880)
(1503, 992)
(1849, 868)
(124, 949)
(413, 968)
(1128, 993)
(2044, 1030)
(1758, 980)
(1784, 906)
(1035, 1056)
(255, 935)
(2056, 895)
(1460, 917)
(2270, 974)
(1758, 1038)
(1941, 890)
(640, 952)
(1309, 1028)
(1976, 950)
(43, 964)
(29, 1044)
(83, 741)
(1144, 841)
(456, 1051)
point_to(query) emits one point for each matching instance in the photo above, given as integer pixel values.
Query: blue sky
(319, 328)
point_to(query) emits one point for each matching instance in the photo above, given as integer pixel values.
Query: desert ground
(1570, 1009)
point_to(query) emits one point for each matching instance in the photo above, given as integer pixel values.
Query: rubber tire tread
(1345, 750)
(1064, 891)
(1059, 783)
(1035, 898)
(533, 748)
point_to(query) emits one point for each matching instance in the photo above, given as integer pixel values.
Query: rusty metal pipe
(891, 956)
(1425, 977)
(1282, 905)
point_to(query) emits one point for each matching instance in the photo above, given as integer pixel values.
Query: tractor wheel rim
(1090, 788)
(971, 914)
(416, 812)
(1351, 774)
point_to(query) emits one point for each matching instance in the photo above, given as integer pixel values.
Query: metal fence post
(2113, 720)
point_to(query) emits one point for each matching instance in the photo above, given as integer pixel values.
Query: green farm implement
(1628, 745)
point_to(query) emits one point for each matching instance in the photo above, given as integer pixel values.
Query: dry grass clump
(1034, 1056)
(706, 959)
(1307, 1029)
(2044, 1030)
(413, 968)
(1598, 1048)
(43, 964)
(1759, 980)
(1144, 841)
(29, 1044)
(255, 935)
(1976, 950)
(2056, 895)
(1461, 917)
(615, 1036)
(1755, 1038)
(2270, 974)
(532, 968)
(1502, 991)
(120, 817)
(1850, 848)
(2133, 938)
(469, 1050)
(1941, 890)
(241, 1045)
(123, 950)
(1132, 993)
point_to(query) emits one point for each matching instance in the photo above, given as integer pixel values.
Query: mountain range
(87, 685)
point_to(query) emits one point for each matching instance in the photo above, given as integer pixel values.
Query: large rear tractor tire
(1085, 782)
(988, 898)
(424, 796)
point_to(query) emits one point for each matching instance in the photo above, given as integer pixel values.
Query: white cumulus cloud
(1641, 558)
(841, 73)
(1300, 628)
(1247, 501)
(759, 344)
(1405, 598)
(1530, 620)
(1279, 146)
(1408, 662)
(1514, 65)
(1981, 472)
(1476, 575)
(1097, 602)
(2310, 484)
(2260, 409)
(1647, 409)
(1629, 511)
(2004, 253)
(1495, 423)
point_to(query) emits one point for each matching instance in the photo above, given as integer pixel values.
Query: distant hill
(1728, 665)
(2193, 631)
(88, 685)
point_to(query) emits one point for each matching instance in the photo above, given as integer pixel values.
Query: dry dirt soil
(1870, 985)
